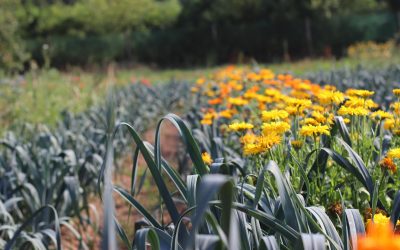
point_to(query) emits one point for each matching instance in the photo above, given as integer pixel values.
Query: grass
(41, 95)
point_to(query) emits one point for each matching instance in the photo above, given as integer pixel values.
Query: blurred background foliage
(59, 33)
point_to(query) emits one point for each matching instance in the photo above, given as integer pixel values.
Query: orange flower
(215, 101)
(379, 237)
(387, 163)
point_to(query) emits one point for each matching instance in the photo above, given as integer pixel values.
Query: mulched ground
(170, 144)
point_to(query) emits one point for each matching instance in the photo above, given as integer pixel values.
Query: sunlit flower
(381, 115)
(379, 237)
(275, 127)
(240, 126)
(360, 93)
(238, 101)
(394, 153)
(396, 92)
(261, 144)
(206, 158)
(327, 97)
(310, 130)
(274, 115)
(353, 111)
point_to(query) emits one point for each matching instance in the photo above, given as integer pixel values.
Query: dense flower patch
(335, 148)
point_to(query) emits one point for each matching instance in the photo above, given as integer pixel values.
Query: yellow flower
(303, 103)
(326, 97)
(381, 115)
(389, 124)
(239, 126)
(261, 144)
(356, 102)
(396, 107)
(310, 130)
(296, 144)
(353, 111)
(226, 113)
(380, 219)
(394, 153)
(206, 158)
(359, 93)
(396, 92)
(275, 127)
(310, 121)
(274, 114)
(208, 118)
(238, 101)
(248, 138)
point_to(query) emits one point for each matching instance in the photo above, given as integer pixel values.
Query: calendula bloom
(310, 121)
(396, 107)
(240, 126)
(200, 81)
(356, 102)
(326, 97)
(275, 127)
(388, 164)
(380, 219)
(394, 153)
(360, 93)
(238, 101)
(396, 92)
(274, 114)
(381, 115)
(248, 138)
(215, 101)
(261, 144)
(323, 118)
(310, 130)
(304, 103)
(353, 111)
(379, 237)
(226, 113)
(208, 118)
(206, 158)
(296, 144)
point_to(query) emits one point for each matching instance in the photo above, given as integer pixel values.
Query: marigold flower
(326, 97)
(239, 126)
(238, 101)
(261, 144)
(215, 101)
(394, 153)
(274, 114)
(359, 93)
(381, 219)
(379, 237)
(227, 113)
(396, 92)
(275, 127)
(296, 144)
(310, 121)
(388, 164)
(248, 138)
(381, 115)
(310, 130)
(206, 158)
(353, 111)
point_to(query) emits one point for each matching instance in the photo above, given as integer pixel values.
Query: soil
(170, 145)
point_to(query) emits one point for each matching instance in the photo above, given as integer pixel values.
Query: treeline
(185, 32)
